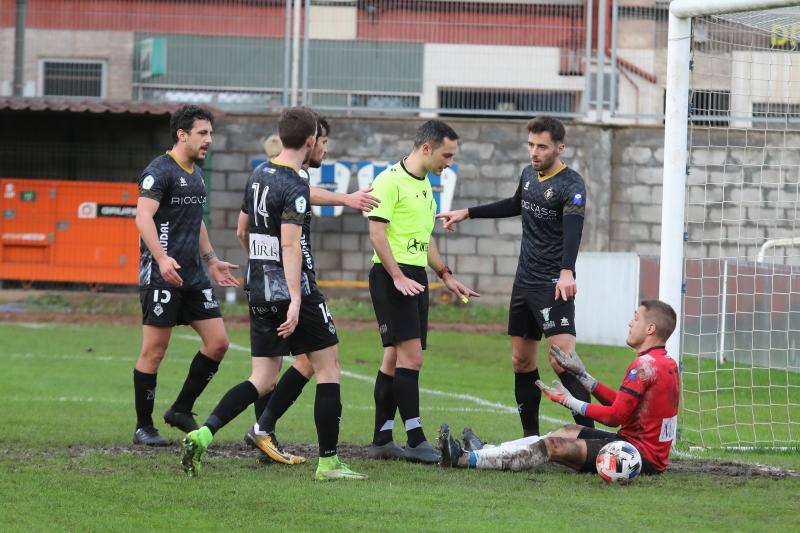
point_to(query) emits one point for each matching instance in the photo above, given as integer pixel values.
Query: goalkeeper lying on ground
(646, 407)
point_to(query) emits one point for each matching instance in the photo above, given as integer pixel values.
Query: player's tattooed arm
(219, 270)
(145, 211)
(360, 200)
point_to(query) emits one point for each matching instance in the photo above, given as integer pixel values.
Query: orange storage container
(68, 231)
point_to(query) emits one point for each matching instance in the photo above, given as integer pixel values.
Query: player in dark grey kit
(273, 404)
(174, 288)
(551, 197)
(288, 313)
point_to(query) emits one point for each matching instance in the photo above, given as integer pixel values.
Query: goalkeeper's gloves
(559, 394)
(572, 363)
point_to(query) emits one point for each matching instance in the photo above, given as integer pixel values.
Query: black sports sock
(327, 413)
(406, 394)
(385, 409)
(261, 404)
(286, 392)
(201, 371)
(144, 391)
(528, 398)
(574, 386)
(234, 402)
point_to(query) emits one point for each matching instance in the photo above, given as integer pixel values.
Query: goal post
(732, 117)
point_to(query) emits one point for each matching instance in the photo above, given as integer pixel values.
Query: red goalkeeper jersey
(646, 405)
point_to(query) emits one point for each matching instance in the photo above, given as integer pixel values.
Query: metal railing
(595, 60)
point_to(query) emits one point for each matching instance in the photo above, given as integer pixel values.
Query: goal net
(740, 344)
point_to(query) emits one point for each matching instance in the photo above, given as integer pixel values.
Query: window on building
(499, 102)
(711, 108)
(84, 79)
(775, 115)
(377, 102)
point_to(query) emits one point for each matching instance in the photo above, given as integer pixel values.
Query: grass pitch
(66, 462)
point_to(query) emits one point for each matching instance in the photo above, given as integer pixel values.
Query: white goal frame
(676, 137)
(672, 274)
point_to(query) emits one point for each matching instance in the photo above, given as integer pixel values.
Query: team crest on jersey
(148, 182)
(183, 182)
(577, 200)
(300, 205)
(527, 184)
(158, 310)
(633, 374)
(331, 328)
(546, 313)
(548, 193)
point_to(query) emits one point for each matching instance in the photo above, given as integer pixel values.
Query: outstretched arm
(573, 364)
(359, 200)
(510, 207)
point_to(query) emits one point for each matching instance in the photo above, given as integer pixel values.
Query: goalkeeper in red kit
(645, 407)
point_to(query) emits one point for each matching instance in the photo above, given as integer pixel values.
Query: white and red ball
(618, 461)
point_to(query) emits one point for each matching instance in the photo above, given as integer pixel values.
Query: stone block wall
(491, 156)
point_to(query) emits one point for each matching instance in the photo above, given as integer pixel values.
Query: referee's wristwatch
(445, 270)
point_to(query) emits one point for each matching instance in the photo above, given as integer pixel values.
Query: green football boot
(332, 468)
(195, 444)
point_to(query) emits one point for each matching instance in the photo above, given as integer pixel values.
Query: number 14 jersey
(274, 195)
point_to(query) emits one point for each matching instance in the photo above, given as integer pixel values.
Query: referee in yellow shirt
(400, 230)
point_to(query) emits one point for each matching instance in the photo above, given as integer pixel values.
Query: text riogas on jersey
(275, 194)
(181, 196)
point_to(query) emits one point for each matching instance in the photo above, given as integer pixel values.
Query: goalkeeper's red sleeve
(615, 414)
(604, 394)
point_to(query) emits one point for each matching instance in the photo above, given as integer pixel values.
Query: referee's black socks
(201, 371)
(327, 413)
(385, 409)
(528, 398)
(573, 385)
(406, 393)
(286, 392)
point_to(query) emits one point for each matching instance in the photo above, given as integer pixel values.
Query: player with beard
(271, 406)
(288, 313)
(173, 287)
(551, 197)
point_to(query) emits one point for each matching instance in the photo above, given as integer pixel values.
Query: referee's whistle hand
(408, 286)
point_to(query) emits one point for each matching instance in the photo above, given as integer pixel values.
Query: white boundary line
(433, 392)
(91, 399)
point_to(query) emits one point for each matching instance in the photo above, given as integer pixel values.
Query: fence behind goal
(741, 312)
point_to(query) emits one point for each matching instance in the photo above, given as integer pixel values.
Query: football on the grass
(618, 461)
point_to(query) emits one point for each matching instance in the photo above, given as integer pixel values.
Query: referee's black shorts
(400, 318)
